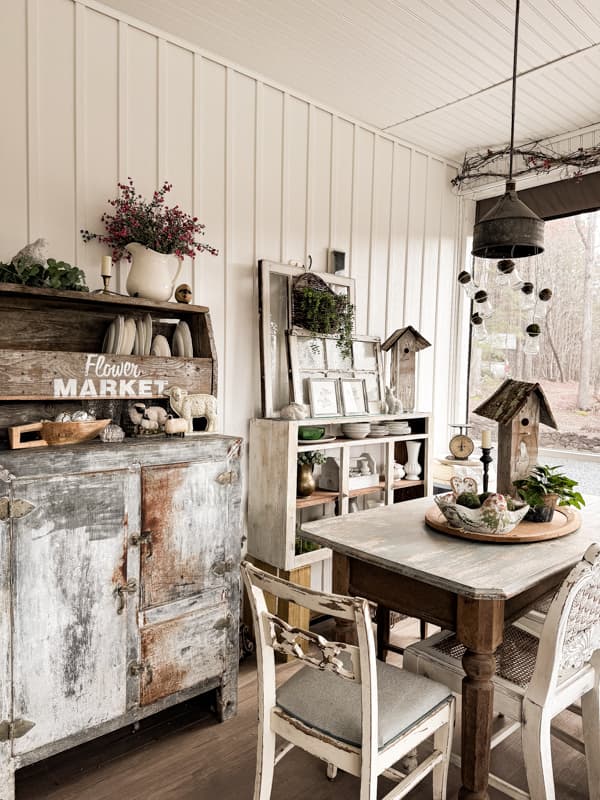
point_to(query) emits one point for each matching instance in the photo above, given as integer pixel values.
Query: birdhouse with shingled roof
(403, 344)
(518, 408)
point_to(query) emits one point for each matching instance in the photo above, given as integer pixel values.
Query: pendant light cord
(514, 91)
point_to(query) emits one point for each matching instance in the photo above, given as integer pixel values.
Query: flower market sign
(62, 375)
(104, 379)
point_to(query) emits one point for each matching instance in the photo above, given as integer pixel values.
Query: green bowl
(310, 433)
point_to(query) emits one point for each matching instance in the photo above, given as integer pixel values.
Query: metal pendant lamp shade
(510, 229)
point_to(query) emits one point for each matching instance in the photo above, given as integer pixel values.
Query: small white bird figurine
(34, 253)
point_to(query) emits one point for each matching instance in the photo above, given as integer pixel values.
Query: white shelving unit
(272, 502)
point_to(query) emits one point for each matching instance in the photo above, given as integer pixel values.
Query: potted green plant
(305, 483)
(151, 232)
(544, 489)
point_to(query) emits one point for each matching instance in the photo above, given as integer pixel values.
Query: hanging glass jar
(532, 339)
(527, 296)
(483, 307)
(466, 281)
(479, 329)
(542, 305)
(508, 274)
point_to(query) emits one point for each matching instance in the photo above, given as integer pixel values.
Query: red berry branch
(166, 229)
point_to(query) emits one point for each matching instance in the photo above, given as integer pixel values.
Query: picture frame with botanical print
(324, 397)
(319, 357)
(353, 392)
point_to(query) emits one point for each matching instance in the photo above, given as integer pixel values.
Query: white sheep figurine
(141, 415)
(192, 406)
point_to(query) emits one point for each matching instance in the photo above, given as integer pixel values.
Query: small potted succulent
(544, 489)
(305, 484)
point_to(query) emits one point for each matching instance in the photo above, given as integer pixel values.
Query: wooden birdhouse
(518, 408)
(403, 344)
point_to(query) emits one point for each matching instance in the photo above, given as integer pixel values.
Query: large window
(568, 363)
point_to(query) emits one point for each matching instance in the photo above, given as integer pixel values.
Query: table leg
(479, 628)
(340, 576)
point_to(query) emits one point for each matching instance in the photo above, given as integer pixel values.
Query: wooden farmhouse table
(390, 556)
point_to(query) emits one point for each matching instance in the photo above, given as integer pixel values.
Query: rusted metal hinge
(144, 537)
(228, 477)
(141, 668)
(120, 591)
(14, 729)
(14, 509)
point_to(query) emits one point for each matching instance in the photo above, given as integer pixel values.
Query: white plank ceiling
(435, 73)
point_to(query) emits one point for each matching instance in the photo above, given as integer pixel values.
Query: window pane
(568, 363)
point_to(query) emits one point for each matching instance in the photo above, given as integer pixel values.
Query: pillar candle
(486, 438)
(106, 270)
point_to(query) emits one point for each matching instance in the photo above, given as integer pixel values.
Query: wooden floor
(183, 754)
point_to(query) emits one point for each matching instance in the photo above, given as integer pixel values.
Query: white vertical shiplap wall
(95, 97)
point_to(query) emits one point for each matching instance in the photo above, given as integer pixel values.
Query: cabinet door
(186, 650)
(69, 643)
(185, 510)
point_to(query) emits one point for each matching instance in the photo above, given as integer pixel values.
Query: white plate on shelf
(128, 337)
(318, 441)
(186, 339)
(160, 347)
(177, 343)
(148, 334)
(119, 324)
(109, 338)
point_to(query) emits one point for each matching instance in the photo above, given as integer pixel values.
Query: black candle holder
(486, 460)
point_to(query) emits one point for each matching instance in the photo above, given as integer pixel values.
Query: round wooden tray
(565, 520)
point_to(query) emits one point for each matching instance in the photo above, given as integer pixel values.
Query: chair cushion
(332, 704)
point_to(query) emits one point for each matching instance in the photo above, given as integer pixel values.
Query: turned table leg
(479, 628)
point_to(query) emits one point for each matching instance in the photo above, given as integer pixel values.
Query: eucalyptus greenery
(311, 457)
(329, 314)
(53, 275)
(545, 480)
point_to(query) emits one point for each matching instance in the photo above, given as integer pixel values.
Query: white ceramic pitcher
(150, 275)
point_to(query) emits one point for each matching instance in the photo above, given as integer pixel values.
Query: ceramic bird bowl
(492, 517)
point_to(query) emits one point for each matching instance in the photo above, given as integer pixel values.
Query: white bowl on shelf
(356, 430)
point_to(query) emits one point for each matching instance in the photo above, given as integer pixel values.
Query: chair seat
(515, 658)
(332, 706)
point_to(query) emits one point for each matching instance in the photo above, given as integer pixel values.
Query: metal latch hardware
(138, 668)
(227, 478)
(144, 537)
(14, 509)
(120, 591)
(222, 567)
(14, 729)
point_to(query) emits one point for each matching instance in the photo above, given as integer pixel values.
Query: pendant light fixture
(510, 229)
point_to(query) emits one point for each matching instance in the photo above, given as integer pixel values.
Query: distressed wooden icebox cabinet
(119, 563)
(118, 588)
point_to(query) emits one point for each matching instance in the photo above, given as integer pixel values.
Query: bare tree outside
(568, 363)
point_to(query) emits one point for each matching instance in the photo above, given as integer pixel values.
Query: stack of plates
(398, 428)
(379, 430)
(356, 430)
(126, 335)
(143, 336)
(182, 341)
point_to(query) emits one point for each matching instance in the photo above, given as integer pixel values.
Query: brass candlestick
(106, 279)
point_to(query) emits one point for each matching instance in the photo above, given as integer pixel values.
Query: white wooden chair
(356, 714)
(537, 678)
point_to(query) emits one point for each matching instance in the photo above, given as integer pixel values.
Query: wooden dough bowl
(53, 433)
(565, 520)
